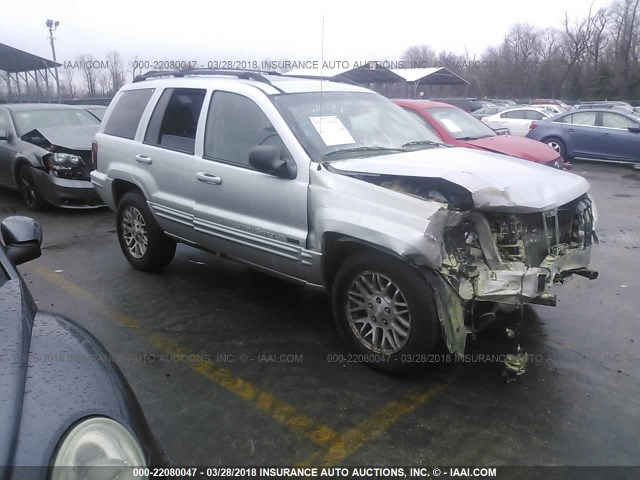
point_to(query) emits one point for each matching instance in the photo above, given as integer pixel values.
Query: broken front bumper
(66, 193)
(522, 284)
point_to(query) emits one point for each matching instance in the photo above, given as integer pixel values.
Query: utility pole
(53, 25)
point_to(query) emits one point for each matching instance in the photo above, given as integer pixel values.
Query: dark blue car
(598, 133)
(65, 407)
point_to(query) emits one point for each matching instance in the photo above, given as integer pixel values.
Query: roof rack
(257, 75)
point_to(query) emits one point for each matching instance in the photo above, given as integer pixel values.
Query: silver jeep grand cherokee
(334, 186)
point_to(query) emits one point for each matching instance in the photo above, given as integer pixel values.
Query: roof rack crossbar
(256, 75)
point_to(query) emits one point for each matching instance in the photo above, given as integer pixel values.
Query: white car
(517, 120)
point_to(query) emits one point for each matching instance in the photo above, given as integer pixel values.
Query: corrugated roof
(13, 60)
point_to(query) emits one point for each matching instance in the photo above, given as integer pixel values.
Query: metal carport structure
(20, 67)
(375, 74)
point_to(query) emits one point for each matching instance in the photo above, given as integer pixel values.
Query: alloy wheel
(378, 313)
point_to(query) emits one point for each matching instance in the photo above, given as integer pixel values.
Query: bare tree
(87, 63)
(134, 67)
(116, 70)
(68, 82)
(419, 56)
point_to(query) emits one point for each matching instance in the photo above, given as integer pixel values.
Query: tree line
(595, 57)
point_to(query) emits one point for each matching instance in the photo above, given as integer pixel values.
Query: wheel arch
(120, 188)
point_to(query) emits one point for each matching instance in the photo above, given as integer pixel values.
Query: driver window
(235, 124)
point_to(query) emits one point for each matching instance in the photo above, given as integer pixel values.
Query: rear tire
(386, 311)
(142, 241)
(558, 145)
(27, 189)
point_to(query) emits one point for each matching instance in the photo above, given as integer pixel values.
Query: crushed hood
(520, 147)
(73, 138)
(496, 182)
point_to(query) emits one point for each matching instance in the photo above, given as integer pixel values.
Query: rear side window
(124, 119)
(235, 124)
(520, 114)
(174, 121)
(533, 115)
(584, 118)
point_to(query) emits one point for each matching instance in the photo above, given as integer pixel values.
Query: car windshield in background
(335, 125)
(460, 124)
(97, 112)
(27, 120)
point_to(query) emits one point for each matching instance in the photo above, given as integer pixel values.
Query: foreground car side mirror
(501, 131)
(4, 135)
(634, 129)
(267, 159)
(22, 237)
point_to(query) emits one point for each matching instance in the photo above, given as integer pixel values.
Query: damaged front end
(515, 258)
(499, 247)
(66, 162)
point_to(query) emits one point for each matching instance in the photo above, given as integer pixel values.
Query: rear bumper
(62, 192)
(103, 187)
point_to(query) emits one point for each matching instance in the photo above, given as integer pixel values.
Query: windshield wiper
(364, 149)
(430, 143)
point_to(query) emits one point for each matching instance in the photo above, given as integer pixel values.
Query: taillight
(533, 125)
(94, 154)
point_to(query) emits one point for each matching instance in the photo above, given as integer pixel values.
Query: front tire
(142, 241)
(385, 309)
(27, 189)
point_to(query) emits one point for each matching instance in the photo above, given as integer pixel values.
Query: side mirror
(635, 129)
(267, 159)
(4, 135)
(501, 131)
(22, 237)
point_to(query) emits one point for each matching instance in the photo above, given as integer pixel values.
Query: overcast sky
(277, 29)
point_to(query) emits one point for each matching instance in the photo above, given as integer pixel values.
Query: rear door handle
(570, 130)
(605, 134)
(208, 178)
(143, 159)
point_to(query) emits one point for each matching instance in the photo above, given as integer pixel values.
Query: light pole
(52, 26)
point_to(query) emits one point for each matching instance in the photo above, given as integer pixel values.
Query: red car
(458, 128)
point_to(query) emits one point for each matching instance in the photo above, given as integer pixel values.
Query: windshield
(27, 120)
(334, 125)
(97, 112)
(460, 124)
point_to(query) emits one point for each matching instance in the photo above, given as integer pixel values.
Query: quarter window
(174, 121)
(235, 124)
(124, 119)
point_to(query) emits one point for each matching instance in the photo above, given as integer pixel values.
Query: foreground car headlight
(97, 442)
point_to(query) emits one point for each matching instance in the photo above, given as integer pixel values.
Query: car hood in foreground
(496, 182)
(72, 138)
(520, 147)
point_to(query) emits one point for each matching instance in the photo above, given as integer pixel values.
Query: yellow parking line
(278, 410)
(337, 446)
(373, 426)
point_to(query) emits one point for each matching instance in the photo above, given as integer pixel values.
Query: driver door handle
(208, 178)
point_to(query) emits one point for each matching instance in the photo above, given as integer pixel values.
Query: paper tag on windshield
(451, 126)
(331, 130)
